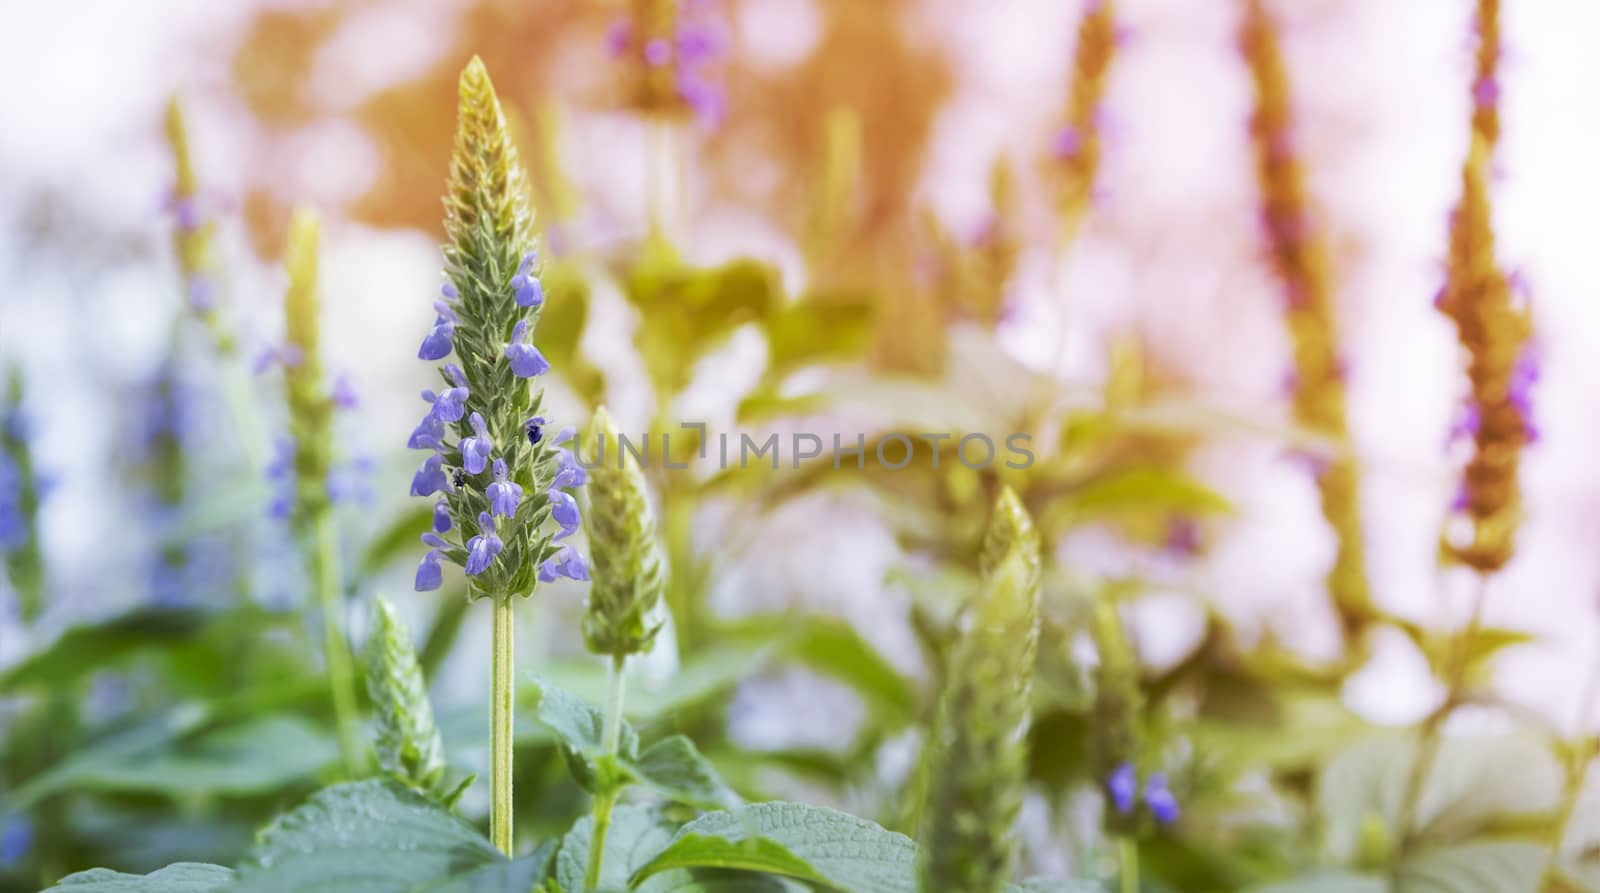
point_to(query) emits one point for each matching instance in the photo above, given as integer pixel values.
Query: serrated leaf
(675, 768)
(376, 836)
(578, 724)
(636, 835)
(811, 844)
(181, 877)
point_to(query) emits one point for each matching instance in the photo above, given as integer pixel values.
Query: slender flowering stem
(503, 699)
(1430, 736)
(1583, 756)
(606, 799)
(1128, 864)
(341, 674)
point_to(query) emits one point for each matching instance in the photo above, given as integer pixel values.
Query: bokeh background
(348, 106)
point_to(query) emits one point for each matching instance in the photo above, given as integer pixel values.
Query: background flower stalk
(1299, 258)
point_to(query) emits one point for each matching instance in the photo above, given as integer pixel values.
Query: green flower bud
(409, 747)
(627, 574)
(980, 755)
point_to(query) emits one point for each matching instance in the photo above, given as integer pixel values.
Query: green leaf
(162, 757)
(1487, 867)
(82, 650)
(1466, 791)
(675, 768)
(636, 835)
(1327, 882)
(182, 877)
(378, 836)
(811, 844)
(1056, 885)
(576, 722)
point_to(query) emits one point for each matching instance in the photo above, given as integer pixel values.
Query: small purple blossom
(698, 42)
(350, 483)
(280, 475)
(503, 494)
(429, 575)
(482, 549)
(441, 339)
(526, 264)
(449, 405)
(430, 478)
(201, 292)
(429, 433)
(526, 361)
(344, 393)
(534, 429)
(441, 517)
(529, 291)
(1123, 787)
(565, 563)
(475, 449)
(564, 509)
(658, 52)
(564, 435)
(568, 472)
(1159, 799)
(1066, 144)
(1485, 92)
(186, 213)
(448, 291)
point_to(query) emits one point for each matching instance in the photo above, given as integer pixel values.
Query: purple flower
(1066, 144)
(534, 428)
(528, 289)
(429, 434)
(704, 99)
(1485, 92)
(351, 482)
(658, 52)
(475, 449)
(698, 42)
(618, 36)
(564, 435)
(449, 404)
(1524, 375)
(565, 563)
(482, 548)
(448, 290)
(16, 839)
(526, 361)
(441, 340)
(503, 494)
(280, 475)
(441, 517)
(568, 472)
(344, 393)
(1123, 786)
(564, 509)
(202, 293)
(430, 478)
(1159, 799)
(429, 574)
(527, 262)
(186, 211)
(1465, 426)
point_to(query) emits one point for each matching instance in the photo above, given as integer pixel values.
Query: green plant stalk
(1430, 736)
(336, 651)
(1128, 859)
(606, 798)
(500, 729)
(1583, 756)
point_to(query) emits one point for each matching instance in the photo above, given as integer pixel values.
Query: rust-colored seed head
(1300, 261)
(1078, 145)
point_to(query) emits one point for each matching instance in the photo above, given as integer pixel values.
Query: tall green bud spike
(628, 579)
(408, 742)
(487, 216)
(305, 391)
(980, 752)
(1118, 708)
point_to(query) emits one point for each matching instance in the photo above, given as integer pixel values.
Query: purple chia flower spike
(565, 563)
(441, 517)
(1123, 787)
(482, 548)
(1159, 799)
(430, 478)
(475, 450)
(564, 509)
(526, 361)
(503, 494)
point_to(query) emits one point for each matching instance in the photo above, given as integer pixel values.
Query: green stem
(336, 651)
(1583, 756)
(1430, 739)
(1128, 856)
(503, 702)
(606, 798)
(236, 392)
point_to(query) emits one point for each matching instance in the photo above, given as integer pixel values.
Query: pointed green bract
(628, 578)
(979, 756)
(408, 742)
